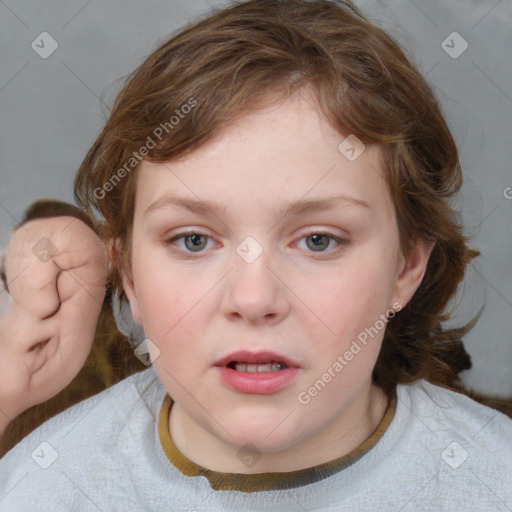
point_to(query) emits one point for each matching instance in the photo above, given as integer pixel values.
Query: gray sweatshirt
(434, 450)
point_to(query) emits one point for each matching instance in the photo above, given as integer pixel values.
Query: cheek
(162, 303)
(170, 301)
(172, 322)
(352, 298)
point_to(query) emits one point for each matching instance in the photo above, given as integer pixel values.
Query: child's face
(305, 297)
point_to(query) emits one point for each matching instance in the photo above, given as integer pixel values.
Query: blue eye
(195, 241)
(320, 241)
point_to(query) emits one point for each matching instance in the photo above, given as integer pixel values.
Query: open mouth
(256, 368)
(261, 373)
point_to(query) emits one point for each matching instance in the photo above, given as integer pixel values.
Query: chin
(263, 439)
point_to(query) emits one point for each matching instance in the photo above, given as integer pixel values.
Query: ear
(114, 252)
(129, 289)
(411, 270)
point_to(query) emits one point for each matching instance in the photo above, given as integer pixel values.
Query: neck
(358, 420)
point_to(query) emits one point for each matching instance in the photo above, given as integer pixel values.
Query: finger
(31, 273)
(80, 246)
(21, 331)
(63, 357)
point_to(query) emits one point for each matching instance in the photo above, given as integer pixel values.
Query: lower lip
(263, 383)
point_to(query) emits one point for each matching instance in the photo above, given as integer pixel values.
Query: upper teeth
(257, 368)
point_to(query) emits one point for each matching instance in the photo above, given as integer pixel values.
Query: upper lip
(266, 356)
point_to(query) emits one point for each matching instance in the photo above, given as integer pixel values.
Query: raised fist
(55, 272)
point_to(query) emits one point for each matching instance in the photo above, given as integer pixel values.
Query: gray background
(52, 110)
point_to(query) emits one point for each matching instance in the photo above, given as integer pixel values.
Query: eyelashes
(187, 235)
(321, 239)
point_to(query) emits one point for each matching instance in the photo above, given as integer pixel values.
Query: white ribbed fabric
(442, 451)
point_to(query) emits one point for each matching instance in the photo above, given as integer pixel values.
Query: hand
(56, 271)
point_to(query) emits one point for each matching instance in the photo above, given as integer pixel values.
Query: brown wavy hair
(257, 53)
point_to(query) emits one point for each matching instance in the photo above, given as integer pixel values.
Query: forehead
(284, 152)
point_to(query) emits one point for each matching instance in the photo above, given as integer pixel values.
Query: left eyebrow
(296, 207)
(299, 207)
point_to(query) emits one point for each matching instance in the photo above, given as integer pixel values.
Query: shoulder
(449, 409)
(453, 450)
(95, 433)
(110, 405)
(472, 439)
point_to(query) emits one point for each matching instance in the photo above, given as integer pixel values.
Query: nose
(255, 291)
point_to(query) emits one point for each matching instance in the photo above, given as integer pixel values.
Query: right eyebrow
(296, 207)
